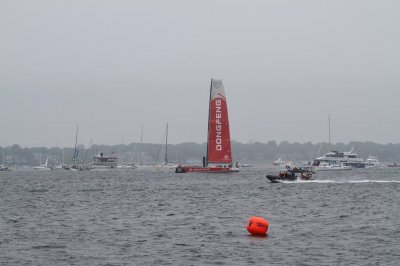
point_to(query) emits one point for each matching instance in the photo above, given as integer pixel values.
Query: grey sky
(111, 66)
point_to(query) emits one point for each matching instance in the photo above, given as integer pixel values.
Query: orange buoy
(257, 226)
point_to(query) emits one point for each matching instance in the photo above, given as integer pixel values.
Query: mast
(75, 151)
(329, 135)
(166, 145)
(205, 162)
(140, 148)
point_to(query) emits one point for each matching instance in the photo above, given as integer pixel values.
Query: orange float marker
(257, 226)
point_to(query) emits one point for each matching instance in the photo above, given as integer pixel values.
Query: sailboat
(75, 166)
(4, 167)
(61, 166)
(43, 167)
(166, 163)
(219, 151)
(333, 160)
(138, 153)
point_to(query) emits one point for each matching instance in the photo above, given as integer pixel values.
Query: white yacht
(102, 161)
(325, 166)
(346, 158)
(43, 167)
(373, 162)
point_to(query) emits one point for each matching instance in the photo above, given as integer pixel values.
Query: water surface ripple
(154, 217)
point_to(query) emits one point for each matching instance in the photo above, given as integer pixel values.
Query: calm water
(144, 217)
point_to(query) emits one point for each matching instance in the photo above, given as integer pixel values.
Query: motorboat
(346, 158)
(292, 174)
(102, 161)
(373, 162)
(328, 166)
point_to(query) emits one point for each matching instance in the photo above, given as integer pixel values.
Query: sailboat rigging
(166, 163)
(76, 151)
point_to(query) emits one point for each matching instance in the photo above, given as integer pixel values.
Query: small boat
(290, 174)
(219, 150)
(61, 166)
(394, 165)
(43, 167)
(278, 161)
(373, 162)
(167, 164)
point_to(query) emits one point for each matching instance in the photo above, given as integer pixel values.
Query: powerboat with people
(292, 174)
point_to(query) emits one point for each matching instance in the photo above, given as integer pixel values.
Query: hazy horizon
(324, 144)
(112, 67)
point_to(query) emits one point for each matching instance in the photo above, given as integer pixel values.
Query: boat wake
(339, 182)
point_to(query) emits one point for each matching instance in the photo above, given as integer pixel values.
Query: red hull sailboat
(219, 151)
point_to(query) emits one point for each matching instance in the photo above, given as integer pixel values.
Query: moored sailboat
(4, 167)
(43, 167)
(219, 151)
(166, 163)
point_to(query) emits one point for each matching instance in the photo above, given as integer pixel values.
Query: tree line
(190, 152)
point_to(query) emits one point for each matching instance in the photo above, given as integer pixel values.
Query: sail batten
(219, 143)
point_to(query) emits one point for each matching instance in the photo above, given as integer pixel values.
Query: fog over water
(112, 66)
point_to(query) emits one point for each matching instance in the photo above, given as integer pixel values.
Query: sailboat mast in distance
(329, 135)
(75, 150)
(166, 145)
(139, 152)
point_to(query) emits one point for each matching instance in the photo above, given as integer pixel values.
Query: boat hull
(278, 179)
(201, 169)
(338, 168)
(40, 168)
